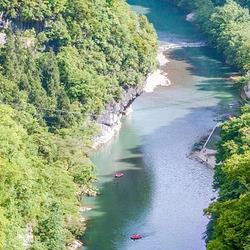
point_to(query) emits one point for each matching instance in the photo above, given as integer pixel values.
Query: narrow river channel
(163, 193)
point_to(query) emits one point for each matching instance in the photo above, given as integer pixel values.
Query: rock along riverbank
(110, 121)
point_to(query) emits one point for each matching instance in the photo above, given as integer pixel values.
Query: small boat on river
(218, 119)
(136, 237)
(233, 106)
(223, 118)
(118, 175)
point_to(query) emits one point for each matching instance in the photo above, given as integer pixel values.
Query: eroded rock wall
(110, 121)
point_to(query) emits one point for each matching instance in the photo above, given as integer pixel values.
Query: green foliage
(52, 80)
(34, 10)
(50, 229)
(57, 33)
(204, 8)
(227, 26)
(230, 213)
(242, 81)
(235, 137)
(232, 227)
(31, 192)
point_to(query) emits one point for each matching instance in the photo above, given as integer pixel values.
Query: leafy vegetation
(226, 23)
(227, 26)
(36, 179)
(78, 57)
(230, 214)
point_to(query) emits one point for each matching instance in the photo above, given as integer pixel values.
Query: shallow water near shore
(162, 193)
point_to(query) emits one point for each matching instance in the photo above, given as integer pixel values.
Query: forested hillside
(230, 224)
(62, 63)
(227, 27)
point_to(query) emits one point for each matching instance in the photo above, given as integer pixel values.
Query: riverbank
(110, 121)
(205, 156)
(159, 77)
(151, 150)
(205, 150)
(202, 153)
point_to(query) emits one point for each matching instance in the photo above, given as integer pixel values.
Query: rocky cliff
(110, 121)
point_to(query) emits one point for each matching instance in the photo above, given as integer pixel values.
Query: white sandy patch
(159, 77)
(190, 17)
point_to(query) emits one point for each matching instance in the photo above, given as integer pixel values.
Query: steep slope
(62, 63)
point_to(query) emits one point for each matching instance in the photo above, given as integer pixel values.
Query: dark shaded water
(162, 194)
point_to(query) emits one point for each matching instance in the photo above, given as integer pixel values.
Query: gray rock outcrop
(246, 91)
(110, 120)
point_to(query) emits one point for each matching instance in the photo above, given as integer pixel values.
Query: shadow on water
(183, 187)
(200, 62)
(166, 18)
(123, 203)
(205, 71)
(222, 86)
(162, 193)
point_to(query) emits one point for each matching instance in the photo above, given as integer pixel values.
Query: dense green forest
(55, 79)
(230, 224)
(226, 24)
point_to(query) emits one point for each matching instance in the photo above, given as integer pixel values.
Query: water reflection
(168, 19)
(162, 194)
(141, 10)
(125, 200)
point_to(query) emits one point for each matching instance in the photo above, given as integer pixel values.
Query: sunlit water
(162, 194)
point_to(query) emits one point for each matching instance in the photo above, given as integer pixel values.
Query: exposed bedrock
(110, 120)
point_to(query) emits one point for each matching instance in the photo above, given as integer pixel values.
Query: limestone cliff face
(2, 38)
(18, 24)
(245, 94)
(110, 120)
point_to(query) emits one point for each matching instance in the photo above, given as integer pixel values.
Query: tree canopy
(226, 23)
(63, 62)
(230, 214)
(227, 26)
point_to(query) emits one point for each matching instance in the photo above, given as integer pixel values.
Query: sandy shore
(205, 156)
(159, 77)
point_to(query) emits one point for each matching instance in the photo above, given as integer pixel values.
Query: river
(163, 193)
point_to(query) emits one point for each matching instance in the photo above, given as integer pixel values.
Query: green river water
(163, 193)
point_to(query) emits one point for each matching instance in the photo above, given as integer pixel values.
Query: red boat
(119, 175)
(136, 237)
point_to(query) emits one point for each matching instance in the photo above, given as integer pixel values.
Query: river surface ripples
(162, 193)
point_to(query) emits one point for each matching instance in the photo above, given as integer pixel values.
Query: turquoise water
(162, 193)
